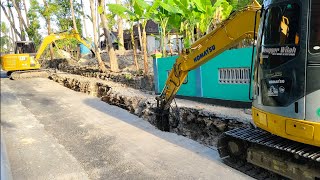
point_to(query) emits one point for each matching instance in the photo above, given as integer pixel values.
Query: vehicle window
(28, 48)
(280, 36)
(282, 25)
(315, 27)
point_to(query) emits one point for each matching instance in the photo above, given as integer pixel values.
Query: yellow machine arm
(59, 36)
(241, 25)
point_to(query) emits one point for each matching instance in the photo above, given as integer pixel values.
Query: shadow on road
(135, 121)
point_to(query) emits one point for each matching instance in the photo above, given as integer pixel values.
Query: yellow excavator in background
(285, 89)
(25, 62)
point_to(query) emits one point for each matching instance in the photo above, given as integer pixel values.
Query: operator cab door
(281, 62)
(313, 64)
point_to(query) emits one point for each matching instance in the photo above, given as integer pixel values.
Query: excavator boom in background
(285, 89)
(25, 62)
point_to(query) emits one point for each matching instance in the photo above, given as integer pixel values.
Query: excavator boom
(59, 36)
(239, 26)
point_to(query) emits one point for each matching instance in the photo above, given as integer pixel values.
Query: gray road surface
(52, 132)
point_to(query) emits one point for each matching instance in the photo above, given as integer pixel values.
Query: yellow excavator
(285, 86)
(25, 62)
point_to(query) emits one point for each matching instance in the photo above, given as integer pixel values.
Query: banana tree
(129, 15)
(189, 18)
(145, 12)
(209, 13)
(167, 12)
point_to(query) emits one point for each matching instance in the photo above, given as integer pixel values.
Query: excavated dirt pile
(197, 121)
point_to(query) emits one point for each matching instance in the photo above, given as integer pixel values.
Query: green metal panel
(236, 58)
(207, 76)
(164, 66)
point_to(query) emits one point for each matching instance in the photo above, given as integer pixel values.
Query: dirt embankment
(129, 78)
(198, 121)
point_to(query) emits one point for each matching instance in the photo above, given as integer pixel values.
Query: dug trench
(198, 121)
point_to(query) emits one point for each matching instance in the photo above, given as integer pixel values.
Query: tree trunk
(12, 34)
(49, 29)
(177, 43)
(163, 39)
(102, 67)
(26, 12)
(73, 18)
(98, 23)
(120, 31)
(12, 18)
(25, 27)
(144, 39)
(12, 24)
(139, 33)
(192, 34)
(112, 54)
(134, 49)
(23, 33)
(198, 32)
(169, 43)
(84, 21)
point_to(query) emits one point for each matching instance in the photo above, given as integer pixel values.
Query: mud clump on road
(195, 122)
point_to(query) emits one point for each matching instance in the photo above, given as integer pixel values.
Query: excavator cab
(24, 47)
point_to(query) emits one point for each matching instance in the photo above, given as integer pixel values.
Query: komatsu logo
(204, 53)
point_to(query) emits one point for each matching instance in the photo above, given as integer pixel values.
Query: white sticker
(278, 81)
(273, 91)
(280, 51)
(22, 58)
(282, 89)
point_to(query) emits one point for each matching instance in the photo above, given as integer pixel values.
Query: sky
(43, 30)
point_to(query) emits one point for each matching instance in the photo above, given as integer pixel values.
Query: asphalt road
(52, 132)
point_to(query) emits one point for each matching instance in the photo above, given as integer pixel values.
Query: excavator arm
(59, 36)
(239, 26)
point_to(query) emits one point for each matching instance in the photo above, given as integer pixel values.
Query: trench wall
(196, 123)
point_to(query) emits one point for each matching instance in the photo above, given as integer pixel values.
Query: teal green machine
(226, 77)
